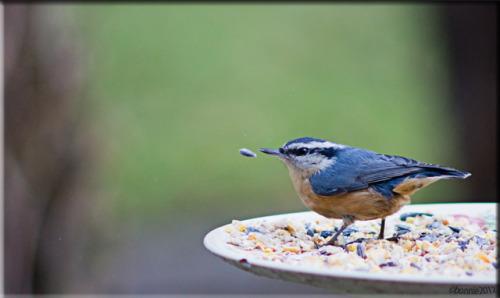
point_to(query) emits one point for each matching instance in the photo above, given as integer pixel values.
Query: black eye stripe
(298, 151)
(328, 152)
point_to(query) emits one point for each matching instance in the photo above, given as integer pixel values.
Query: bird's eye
(282, 151)
(301, 151)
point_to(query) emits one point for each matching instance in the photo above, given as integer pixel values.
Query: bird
(343, 182)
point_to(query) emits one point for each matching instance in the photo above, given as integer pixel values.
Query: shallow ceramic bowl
(348, 281)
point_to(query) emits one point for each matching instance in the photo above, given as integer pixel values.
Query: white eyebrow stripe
(326, 144)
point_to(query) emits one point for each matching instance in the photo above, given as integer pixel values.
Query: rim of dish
(229, 252)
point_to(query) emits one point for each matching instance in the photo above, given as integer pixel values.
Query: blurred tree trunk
(472, 34)
(45, 151)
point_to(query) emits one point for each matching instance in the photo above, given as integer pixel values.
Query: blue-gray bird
(349, 183)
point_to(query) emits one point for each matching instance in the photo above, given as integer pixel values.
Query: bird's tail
(454, 174)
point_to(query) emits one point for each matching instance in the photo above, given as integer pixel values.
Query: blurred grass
(177, 89)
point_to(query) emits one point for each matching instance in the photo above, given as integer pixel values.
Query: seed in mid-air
(246, 152)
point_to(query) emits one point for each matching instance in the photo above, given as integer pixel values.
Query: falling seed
(246, 152)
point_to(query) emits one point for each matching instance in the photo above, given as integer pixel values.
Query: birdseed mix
(416, 243)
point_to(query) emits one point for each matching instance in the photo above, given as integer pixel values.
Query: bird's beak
(274, 152)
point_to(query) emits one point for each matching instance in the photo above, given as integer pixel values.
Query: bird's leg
(347, 221)
(332, 240)
(382, 227)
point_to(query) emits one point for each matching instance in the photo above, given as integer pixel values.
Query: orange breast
(363, 204)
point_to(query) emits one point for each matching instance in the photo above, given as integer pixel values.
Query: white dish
(354, 281)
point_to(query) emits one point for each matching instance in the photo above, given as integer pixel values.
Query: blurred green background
(172, 91)
(180, 88)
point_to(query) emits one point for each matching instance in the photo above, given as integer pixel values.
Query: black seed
(397, 234)
(359, 240)
(436, 224)
(403, 228)
(389, 264)
(402, 232)
(250, 230)
(427, 236)
(415, 266)
(455, 229)
(463, 244)
(310, 232)
(393, 238)
(454, 235)
(349, 230)
(480, 241)
(326, 234)
(360, 250)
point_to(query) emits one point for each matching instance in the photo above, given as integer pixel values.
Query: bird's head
(306, 154)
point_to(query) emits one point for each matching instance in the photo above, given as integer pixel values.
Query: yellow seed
(264, 248)
(410, 219)
(242, 228)
(407, 245)
(413, 259)
(291, 249)
(251, 236)
(267, 250)
(426, 245)
(482, 257)
(351, 247)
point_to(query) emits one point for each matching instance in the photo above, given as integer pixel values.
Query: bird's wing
(356, 169)
(387, 167)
